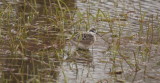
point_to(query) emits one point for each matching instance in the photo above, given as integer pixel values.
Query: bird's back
(86, 39)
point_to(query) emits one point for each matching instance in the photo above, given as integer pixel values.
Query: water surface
(35, 45)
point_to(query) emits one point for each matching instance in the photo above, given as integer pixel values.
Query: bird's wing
(84, 38)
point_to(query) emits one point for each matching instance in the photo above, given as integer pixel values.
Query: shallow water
(103, 49)
(132, 58)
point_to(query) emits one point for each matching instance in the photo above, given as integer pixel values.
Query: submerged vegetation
(35, 42)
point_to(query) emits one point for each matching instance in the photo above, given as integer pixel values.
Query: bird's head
(93, 30)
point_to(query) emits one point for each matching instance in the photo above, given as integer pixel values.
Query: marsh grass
(144, 41)
(33, 40)
(33, 53)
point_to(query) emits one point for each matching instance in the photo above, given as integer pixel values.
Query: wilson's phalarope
(84, 40)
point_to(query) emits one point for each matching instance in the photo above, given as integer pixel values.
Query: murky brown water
(132, 58)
